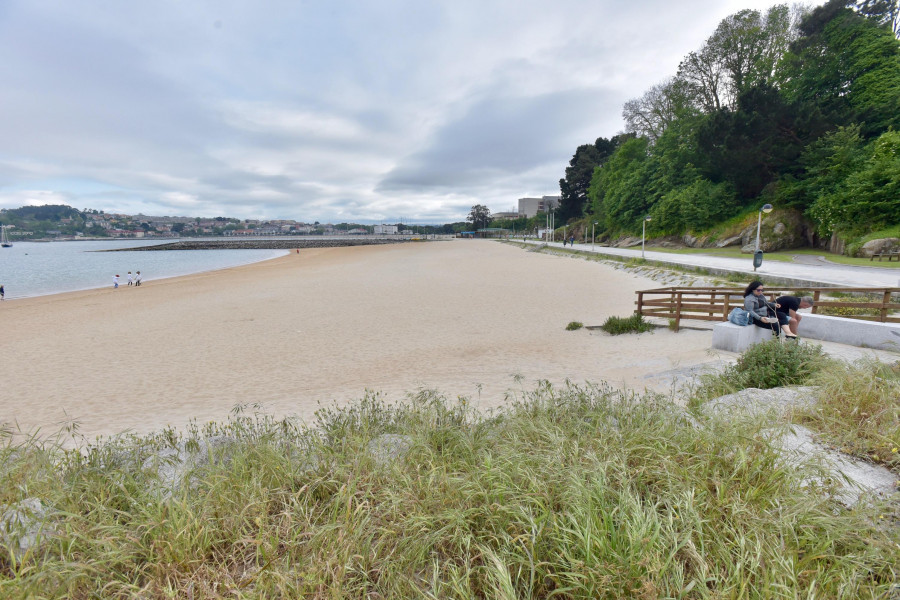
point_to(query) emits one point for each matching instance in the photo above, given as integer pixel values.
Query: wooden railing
(714, 303)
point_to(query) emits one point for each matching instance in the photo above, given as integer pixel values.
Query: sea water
(41, 268)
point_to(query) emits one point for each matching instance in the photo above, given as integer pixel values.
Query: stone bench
(853, 332)
(737, 338)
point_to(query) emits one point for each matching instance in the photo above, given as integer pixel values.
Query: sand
(469, 318)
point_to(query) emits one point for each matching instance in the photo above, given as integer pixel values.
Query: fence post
(816, 295)
(678, 313)
(640, 303)
(885, 300)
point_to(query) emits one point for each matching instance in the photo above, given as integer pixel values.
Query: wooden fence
(714, 303)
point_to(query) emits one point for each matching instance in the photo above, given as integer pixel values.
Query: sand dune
(465, 317)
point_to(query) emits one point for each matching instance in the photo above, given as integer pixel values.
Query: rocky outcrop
(779, 230)
(879, 246)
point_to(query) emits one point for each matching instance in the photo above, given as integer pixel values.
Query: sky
(321, 110)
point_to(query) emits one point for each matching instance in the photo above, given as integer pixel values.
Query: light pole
(594, 224)
(757, 255)
(643, 234)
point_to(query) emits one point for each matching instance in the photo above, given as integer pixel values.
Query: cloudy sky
(321, 110)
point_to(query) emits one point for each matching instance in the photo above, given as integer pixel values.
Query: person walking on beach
(2, 292)
(137, 278)
(764, 313)
(788, 307)
(130, 278)
(115, 282)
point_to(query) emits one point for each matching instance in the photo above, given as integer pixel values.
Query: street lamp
(594, 224)
(643, 234)
(757, 255)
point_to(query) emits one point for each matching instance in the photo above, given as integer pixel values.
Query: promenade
(813, 272)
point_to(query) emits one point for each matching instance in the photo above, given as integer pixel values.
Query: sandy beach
(465, 317)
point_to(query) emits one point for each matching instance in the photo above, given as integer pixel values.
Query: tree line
(795, 107)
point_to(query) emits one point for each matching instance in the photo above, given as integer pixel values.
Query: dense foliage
(797, 109)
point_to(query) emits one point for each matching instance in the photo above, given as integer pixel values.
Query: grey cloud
(500, 136)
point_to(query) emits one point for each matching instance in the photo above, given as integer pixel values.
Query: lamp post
(594, 224)
(643, 234)
(757, 255)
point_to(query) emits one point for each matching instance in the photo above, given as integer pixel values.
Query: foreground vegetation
(581, 492)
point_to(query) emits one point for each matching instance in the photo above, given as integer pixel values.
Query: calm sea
(40, 268)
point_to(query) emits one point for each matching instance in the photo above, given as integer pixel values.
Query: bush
(633, 324)
(574, 325)
(765, 366)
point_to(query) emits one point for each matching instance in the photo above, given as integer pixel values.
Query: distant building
(506, 215)
(529, 207)
(385, 229)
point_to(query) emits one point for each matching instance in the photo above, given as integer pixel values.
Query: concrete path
(812, 272)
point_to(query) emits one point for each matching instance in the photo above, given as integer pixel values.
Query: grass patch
(574, 325)
(633, 324)
(858, 410)
(579, 492)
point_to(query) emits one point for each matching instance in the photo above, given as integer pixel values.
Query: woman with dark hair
(764, 313)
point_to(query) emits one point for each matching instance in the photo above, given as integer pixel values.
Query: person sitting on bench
(764, 313)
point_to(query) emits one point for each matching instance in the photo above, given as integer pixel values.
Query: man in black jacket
(789, 305)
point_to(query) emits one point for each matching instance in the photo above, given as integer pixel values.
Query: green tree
(574, 188)
(847, 66)
(868, 197)
(479, 216)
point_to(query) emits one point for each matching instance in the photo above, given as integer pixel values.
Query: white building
(532, 206)
(385, 229)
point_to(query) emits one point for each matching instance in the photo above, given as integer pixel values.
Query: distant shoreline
(266, 244)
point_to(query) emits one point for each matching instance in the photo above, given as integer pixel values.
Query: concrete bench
(853, 332)
(737, 338)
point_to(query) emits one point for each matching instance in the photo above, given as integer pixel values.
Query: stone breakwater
(265, 244)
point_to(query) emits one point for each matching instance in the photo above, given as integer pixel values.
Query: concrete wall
(853, 332)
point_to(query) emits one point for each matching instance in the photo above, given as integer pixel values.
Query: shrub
(574, 325)
(765, 366)
(633, 324)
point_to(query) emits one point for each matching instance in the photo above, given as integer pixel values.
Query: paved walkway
(810, 271)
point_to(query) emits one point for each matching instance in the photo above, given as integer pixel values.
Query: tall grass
(578, 492)
(859, 410)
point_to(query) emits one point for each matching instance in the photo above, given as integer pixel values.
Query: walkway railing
(714, 303)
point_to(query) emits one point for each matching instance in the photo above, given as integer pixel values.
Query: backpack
(739, 316)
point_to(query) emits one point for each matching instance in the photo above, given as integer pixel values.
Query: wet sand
(465, 317)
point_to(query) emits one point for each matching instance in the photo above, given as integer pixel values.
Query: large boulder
(878, 246)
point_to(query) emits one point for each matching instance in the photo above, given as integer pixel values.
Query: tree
(742, 53)
(479, 216)
(848, 67)
(574, 188)
(658, 108)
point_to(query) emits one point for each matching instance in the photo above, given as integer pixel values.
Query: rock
(24, 525)
(173, 466)
(856, 480)
(754, 401)
(388, 447)
(732, 241)
(873, 247)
